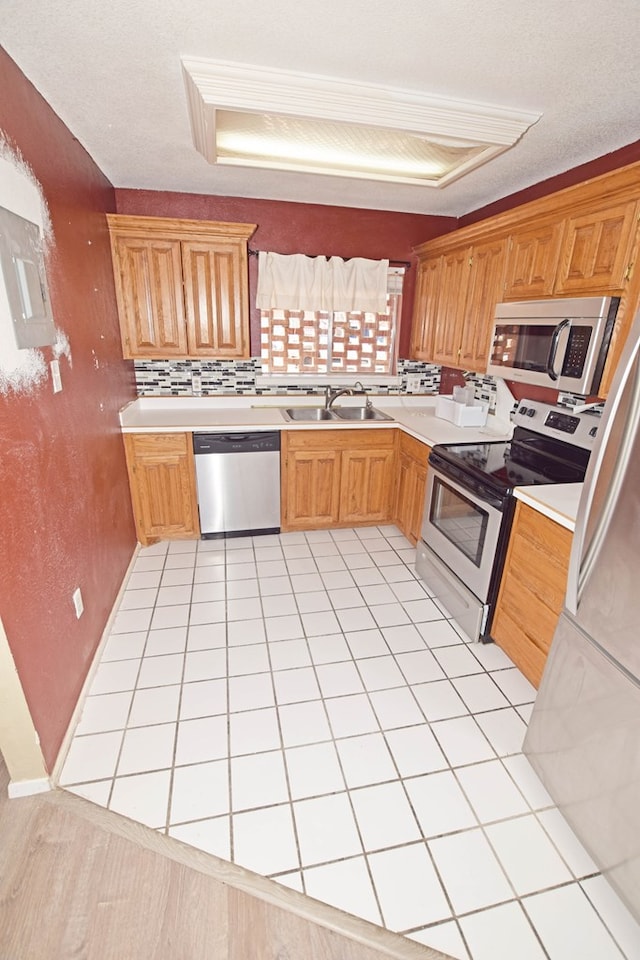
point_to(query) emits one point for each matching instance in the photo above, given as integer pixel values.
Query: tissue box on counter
(474, 415)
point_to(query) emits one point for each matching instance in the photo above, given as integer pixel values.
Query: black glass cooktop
(526, 460)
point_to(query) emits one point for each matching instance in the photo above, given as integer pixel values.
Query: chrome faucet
(358, 388)
(331, 395)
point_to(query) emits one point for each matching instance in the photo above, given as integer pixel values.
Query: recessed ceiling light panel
(290, 121)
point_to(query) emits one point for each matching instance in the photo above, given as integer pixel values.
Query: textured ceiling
(112, 72)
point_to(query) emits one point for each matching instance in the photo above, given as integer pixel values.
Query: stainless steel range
(469, 504)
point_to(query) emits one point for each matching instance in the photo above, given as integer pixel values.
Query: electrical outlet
(196, 384)
(76, 596)
(413, 382)
(55, 376)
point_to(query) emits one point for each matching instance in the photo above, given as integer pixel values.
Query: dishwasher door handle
(222, 443)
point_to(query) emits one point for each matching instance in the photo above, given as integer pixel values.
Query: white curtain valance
(298, 282)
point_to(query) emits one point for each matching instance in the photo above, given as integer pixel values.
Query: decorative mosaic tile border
(184, 378)
(485, 388)
(180, 378)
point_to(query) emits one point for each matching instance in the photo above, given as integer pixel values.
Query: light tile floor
(299, 705)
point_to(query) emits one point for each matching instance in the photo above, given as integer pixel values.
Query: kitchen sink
(317, 414)
(308, 413)
(360, 413)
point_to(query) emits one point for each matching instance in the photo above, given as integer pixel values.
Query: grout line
(286, 770)
(289, 564)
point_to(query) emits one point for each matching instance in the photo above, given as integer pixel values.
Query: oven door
(462, 528)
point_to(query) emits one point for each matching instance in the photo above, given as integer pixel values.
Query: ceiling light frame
(214, 85)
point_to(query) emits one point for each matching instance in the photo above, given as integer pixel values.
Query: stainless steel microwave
(553, 343)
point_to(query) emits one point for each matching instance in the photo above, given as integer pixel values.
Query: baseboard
(86, 686)
(26, 788)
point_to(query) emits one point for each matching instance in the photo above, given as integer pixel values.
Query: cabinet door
(312, 493)
(454, 281)
(410, 486)
(532, 590)
(486, 283)
(596, 250)
(405, 492)
(532, 262)
(417, 505)
(163, 490)
(365, 485)
(425, 309)
(216, 300)
(148, 275)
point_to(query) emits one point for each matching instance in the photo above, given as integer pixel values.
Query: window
(321, 342)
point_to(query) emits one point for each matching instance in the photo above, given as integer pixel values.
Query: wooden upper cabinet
(596, 250)
(580, 241)
(181, 286)
(215, 298)
(532, 261)
(425, 308)
(451, 307)
(455, 304)
(486, 282)
(148, 275)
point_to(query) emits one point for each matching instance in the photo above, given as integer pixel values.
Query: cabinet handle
(627, 273)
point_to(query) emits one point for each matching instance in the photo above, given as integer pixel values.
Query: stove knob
(531, 412)
(522, 411)
(593, 431)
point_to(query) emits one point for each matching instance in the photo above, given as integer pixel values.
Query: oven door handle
(448, 471)
(553, 349)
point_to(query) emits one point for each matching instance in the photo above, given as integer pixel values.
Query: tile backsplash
(179, 378)
(184, 378)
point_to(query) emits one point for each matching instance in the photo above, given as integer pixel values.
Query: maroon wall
(65, 511)
(315, 229)
(308, 228)
(586, 171)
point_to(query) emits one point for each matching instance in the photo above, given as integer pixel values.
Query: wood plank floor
(80, 883)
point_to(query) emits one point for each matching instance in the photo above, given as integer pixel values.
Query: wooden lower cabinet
(532, 590)
(334, 478)
(310, 488)
(163, 486)
(411, 482)
(365, 485)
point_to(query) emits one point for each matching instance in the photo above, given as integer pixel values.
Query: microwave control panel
(576, 354)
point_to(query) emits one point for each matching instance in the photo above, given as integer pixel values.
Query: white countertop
(415, 415)
(558, 501)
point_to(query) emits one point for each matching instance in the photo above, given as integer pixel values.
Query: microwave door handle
(553, 349)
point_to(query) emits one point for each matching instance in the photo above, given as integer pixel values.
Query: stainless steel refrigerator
(584, 735)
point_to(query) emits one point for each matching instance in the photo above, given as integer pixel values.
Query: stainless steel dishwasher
(238, 480)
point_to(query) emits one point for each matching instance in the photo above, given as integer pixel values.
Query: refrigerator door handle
(604, 479)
